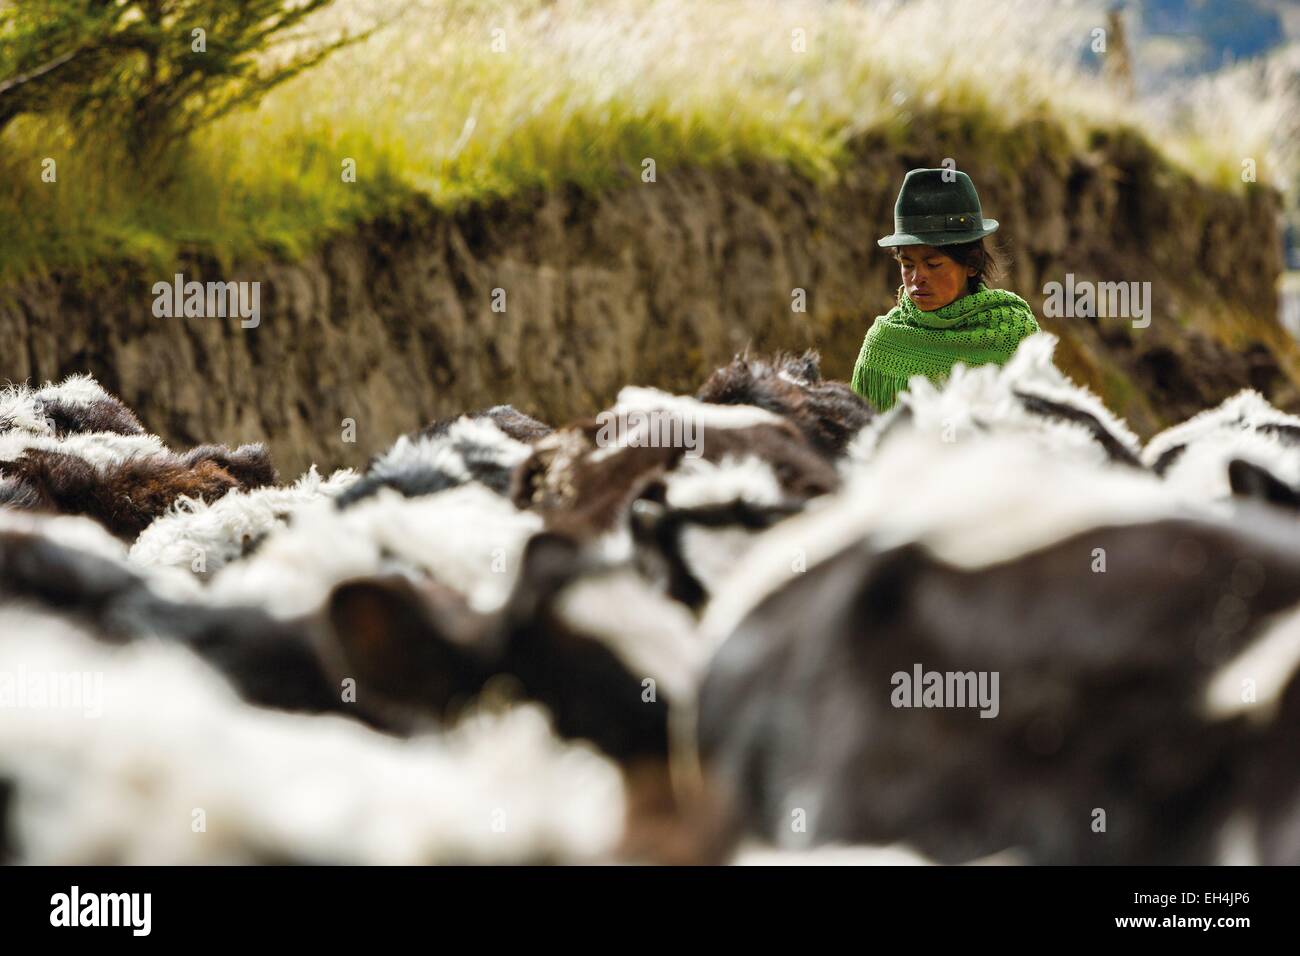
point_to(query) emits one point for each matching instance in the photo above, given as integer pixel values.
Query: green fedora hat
(932, 212)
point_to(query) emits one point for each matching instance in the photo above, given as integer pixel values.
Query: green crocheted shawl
(983, 326)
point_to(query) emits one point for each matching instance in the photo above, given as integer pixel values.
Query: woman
(945, 312)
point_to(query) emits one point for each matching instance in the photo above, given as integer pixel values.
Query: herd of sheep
(506, 642)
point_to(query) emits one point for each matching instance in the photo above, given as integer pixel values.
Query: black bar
(660, 906)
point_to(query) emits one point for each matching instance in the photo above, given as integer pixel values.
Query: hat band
(954, 222)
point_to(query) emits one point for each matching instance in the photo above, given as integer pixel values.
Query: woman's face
(932, 279)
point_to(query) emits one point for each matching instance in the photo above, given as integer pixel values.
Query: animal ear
(729, 384)
(549, 562)
(402, 645)
(1249, 480)
(250, 465)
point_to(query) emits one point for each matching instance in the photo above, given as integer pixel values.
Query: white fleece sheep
(698, 482)
(973, 503)
(1193, 456)
(711, 552)
(1247, 411)
(1200, 472)
(444, 452)
(640, 399)
(172, 741)
(23, 424)
(20, 404)
(216, 533)
(468, 538)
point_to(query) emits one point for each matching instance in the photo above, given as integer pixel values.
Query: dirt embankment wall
(656, 283)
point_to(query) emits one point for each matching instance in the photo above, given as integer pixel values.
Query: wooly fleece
(1247, 411)
(972, 503)
(205, 537)
(176, 770)
(469, 449)
(21, 406)
(1200, 470)
(468, 538)
(87, 535)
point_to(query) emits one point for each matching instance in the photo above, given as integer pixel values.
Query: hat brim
(938, 238)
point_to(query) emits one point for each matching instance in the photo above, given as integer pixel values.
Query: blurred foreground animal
(602, 654)
(1122, 628)
(682, 484)
(170, 767)
(737, 577)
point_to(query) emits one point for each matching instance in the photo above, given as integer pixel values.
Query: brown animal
(125, 497)
(828, 413)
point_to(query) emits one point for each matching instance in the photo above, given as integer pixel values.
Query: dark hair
(985, 258)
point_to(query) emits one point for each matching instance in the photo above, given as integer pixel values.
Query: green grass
(583, 91)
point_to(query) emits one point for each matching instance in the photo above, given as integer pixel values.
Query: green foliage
(150, 72)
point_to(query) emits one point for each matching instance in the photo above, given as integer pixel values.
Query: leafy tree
(137, 68)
